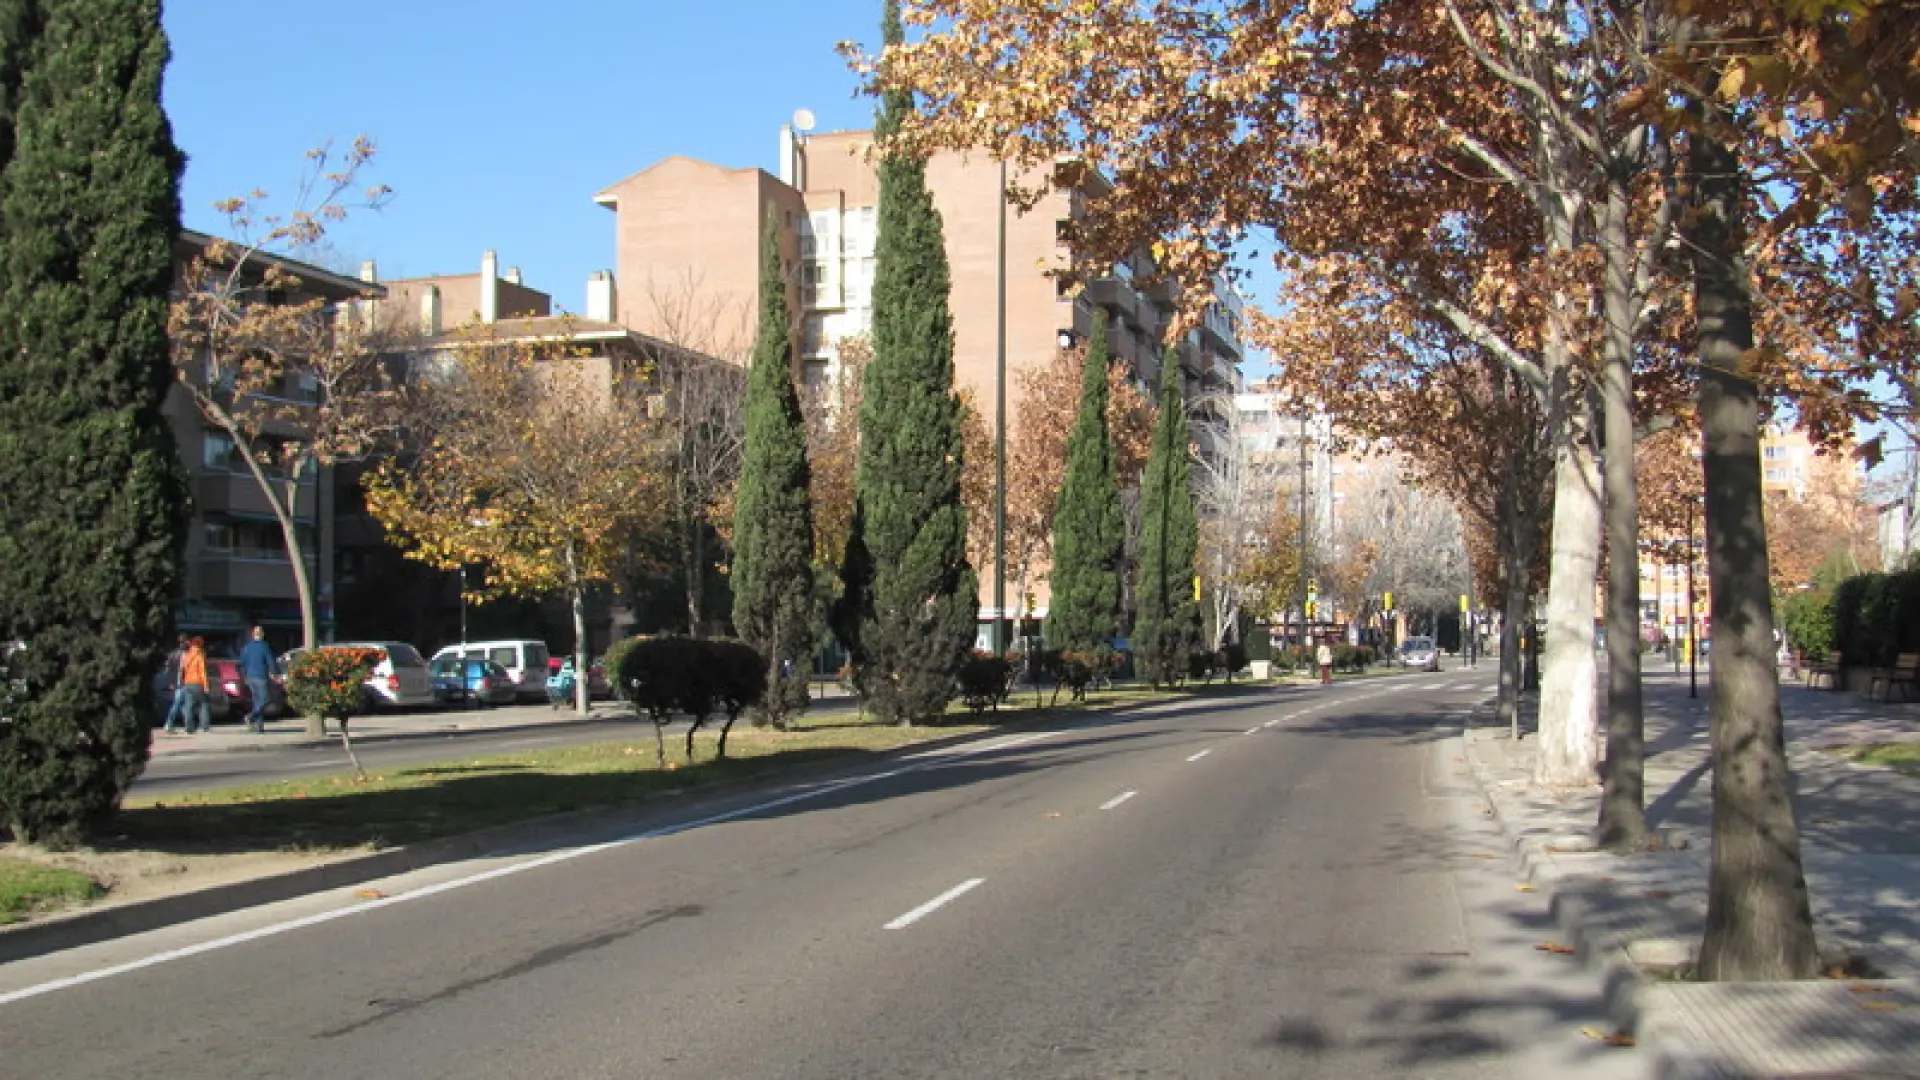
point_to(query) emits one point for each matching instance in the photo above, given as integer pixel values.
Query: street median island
(209, 852)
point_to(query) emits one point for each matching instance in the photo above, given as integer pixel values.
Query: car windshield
(1417, 644)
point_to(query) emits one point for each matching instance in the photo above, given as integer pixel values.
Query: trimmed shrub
(1806, 618)
(671, 675)
(985, 680)
(330, 682)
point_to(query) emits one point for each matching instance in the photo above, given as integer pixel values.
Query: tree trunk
(1623, 818)
(1759, 925)
(577, 598)
(1567, 701)
(285, 506)
(1517, 559)
(696, 575)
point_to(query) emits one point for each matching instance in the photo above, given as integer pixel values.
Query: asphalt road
(1294, 883)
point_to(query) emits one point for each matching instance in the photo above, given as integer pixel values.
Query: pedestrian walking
(259, 667)
(1325, 658)
(193, 687)
(176, 694)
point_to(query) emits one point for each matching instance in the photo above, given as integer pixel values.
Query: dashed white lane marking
(926, 759)
(1118, 799)
(1254, 730)
(1200, 755)
(934, 904)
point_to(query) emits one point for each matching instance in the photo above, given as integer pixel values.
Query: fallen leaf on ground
(369, 894)
(1867, 988)
(1481, 855)
(1658, 894)
(1554, 947)
(1055, 813)
(1881, 1006)
(1618, 1038)
(1521, 886)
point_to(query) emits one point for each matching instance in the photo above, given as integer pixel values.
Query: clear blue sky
(496, 122)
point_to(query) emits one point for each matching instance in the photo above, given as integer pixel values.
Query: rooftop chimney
(430, 311)
(602, 297)
(512, 276)
(369, 273)
(489, 287)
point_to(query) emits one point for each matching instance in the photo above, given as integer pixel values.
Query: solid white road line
(1118, 799)
(934, 904)
(937, 758)
(1200, 755)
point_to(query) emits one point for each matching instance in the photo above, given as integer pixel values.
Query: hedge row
(1875, 617)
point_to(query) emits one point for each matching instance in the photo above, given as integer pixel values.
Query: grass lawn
(27, 887)
(1904, 757)
(422, 802)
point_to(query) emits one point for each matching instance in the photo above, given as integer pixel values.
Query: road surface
(1295, 883)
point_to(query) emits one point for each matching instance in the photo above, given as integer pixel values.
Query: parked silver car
(1419, 652)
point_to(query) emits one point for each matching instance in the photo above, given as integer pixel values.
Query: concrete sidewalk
(1639, 917)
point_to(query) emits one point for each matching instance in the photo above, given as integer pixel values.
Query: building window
(217, 453)
(1774, 453)
(1062, 230)
(217, 535)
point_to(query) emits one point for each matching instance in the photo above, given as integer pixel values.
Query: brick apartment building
(689, 231)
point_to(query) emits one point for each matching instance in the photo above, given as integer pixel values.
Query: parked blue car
(471, 680)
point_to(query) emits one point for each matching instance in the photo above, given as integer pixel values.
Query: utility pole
(1303, 527)
(1000, 431)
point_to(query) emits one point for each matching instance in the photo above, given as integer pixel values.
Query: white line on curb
(1201, 754)
(934, 904)
(1118, 799)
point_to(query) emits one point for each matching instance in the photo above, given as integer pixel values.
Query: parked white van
(525, 661)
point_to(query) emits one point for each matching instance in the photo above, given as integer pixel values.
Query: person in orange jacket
(193, 684)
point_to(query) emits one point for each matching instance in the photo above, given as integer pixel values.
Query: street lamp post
(1693, 634)
(1000, 430)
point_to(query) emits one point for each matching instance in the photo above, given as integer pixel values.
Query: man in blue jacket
(258, 666)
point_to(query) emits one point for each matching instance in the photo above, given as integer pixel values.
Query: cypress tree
(773, 600)
(1089, 530)
(1169, 620)
(910, 603)
(92, 496)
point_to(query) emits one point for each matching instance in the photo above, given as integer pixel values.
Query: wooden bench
(1828, 669)
(1904, 672)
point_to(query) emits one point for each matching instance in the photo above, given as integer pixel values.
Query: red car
(240, 699)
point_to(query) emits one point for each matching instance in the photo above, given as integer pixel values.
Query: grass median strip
(423, 802)
(27, 887)
(1902, 757)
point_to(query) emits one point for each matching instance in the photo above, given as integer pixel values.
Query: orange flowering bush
(327, 681)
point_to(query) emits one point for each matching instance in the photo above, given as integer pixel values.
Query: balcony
(1115, 297)
(239, 493)
(249, 578)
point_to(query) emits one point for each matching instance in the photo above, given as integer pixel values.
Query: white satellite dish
(803, 120)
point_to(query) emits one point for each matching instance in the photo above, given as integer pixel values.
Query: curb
(1623, 982)
(90, 926)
